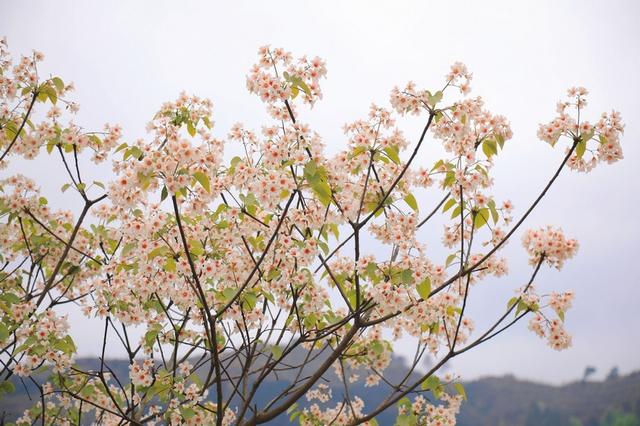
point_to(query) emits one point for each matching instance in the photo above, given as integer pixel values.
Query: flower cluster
(278, 77)
(21, 89)
(140, 373)
(209, 252)
(411, 100)
(549, 244)
(553, 330)
(468, 125)
(592, 143)
(441, 414)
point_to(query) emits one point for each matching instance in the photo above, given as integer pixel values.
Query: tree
(613, 374)
(588, 372)
(258, 270)
(619, 418)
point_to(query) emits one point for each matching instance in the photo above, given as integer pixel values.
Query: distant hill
(507, 401)
(493, 401)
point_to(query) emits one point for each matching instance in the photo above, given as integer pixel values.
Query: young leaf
(480, 218)
(430, 383)
(191, 128)
(58, 83)
(392, 153)
(581, 148)
(424, 288)
(203, 180)
(322, 191)
(489, 148)
(460, 389)
(170, 265)
(411, 201)
(450, 203)
(276, 351)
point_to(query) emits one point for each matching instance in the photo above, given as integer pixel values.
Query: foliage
(234, 265)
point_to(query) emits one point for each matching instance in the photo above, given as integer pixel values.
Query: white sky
(126, 58)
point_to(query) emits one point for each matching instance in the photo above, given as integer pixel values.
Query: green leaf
(522, 306)
(586, 137)
(450, 203)
(70, 344)
(424, 288)
(151, 335)
(191, 128)
(323, 192)
(430, 383)
(120, 147)
(10, 298)
(460, 389)
(480, 218)
(407, 276)
(7, 387)
(134, 152)
(276, 351)
(406, 420)
(449, 179)
(358, 150)
(404, 403)
(157, 252)
(450, 259)
(438, 164)
(324, 247)
(203, 180)
(250, 299)
(196, 247)
(128, 248)
(411, 201)
(302, 85)
(494, 212)
(47, 91)
(581, 147)
(187, 412)
(4, 332)
(393, 154)
(95, 139)
(489, 148)
(456, 212)
(65, 345)
(377, 347)
(65, 187)
(58, 83)
(170, 265)
(228, 294)
(435, 98)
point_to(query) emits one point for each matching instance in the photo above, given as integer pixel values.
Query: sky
(127, 58)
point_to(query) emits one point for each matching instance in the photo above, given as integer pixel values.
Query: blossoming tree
(251, 269)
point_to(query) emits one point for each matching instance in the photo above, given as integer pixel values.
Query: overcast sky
(126, 58)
